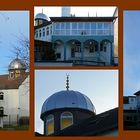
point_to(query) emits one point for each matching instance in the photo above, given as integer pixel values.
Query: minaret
(67, 83)
(66, 12)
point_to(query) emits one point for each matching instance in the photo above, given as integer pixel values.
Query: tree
(21, 50)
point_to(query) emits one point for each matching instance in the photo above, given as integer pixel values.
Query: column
(111, 54)
(82, 51)
(65, 49)
(98, 53)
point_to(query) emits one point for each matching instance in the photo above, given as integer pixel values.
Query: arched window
(50, 124)
(1, 96)
(66, 119)
(1, 111)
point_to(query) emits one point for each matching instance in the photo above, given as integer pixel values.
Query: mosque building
(71, 113)
(80, 40)
(14, 95)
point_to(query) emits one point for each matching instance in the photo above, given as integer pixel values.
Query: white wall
(24, 98)
(46, 37)
(10, 104)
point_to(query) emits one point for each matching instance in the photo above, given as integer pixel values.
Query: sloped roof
(137, 93)
(6, 83)
(95, 125)
(82, 19)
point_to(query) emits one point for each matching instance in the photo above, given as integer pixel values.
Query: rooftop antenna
(67, 82)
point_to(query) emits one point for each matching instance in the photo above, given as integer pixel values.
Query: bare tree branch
(21, 49)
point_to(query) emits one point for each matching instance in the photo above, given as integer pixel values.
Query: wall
(24, 98)
(10, 104)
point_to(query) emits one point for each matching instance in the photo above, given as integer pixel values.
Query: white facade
(24, 98)
(44, 33)
(10, 104)
(15, 104)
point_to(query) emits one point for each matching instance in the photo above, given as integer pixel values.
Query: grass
(19, 127)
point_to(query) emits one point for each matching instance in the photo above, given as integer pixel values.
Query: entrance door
(72, 52)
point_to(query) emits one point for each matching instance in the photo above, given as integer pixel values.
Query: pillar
(65, 51)
(82, 51)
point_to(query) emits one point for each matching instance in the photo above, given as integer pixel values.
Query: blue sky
(101, 86)
(131, 52)
(12, 25)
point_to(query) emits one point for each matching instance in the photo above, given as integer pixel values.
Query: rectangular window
(87, 26)
(39, 33)
(47, 30)
(107, 25)
(36, 34)
(1, 97)
(93, 26)
(99, 25)
(57, 26)
(43, 32)
(80, 25)
(67, 25)
(62, 26)
(74, 25)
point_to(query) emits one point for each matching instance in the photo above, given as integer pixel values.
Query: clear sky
(78, 11)
(101, 86)
(131, 52)
(12, 25)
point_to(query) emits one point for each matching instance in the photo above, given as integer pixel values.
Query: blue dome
(42, 16)
(67, 99)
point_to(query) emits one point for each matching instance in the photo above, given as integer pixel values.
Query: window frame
(49, 120)
(62, 117)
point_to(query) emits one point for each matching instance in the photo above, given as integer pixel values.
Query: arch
(75, 44)
(66, 119)
(92, 45)
(58, 43)
(59, 48)
(104, 44)
(1, 95)
(50, 124)
(74, 48)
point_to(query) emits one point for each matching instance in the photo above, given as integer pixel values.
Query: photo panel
(131, 96)
(76, 36)
(14, 70)
(76, 103)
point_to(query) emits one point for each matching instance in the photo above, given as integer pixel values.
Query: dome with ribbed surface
(42, 17)
(67, 99)
(17, 64)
